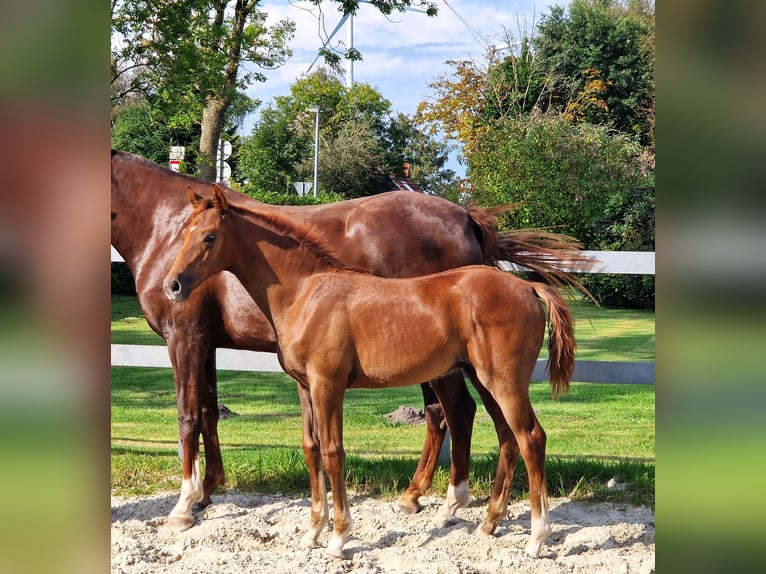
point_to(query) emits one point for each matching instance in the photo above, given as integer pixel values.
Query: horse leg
(187, 370)
(530, 438)
(436, 430)
(509, 453)
(214, 473)
(320, 512)
(459, 411)
(328, 409)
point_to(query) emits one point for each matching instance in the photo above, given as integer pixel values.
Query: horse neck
(149, 207)
(271, 265)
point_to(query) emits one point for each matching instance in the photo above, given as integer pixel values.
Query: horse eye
(209, 238)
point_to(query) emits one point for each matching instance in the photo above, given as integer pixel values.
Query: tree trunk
(216, 105)
(212, 126)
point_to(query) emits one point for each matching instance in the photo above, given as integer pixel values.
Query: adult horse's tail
(553, 256)
(561, 341)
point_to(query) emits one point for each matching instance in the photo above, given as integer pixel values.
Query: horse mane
(307, 236)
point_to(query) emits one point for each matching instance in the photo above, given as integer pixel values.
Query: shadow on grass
(577, 478)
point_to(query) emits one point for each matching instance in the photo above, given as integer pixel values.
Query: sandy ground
(246, 532)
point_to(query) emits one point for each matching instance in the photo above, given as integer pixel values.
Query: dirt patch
(245, 532)
(406, 415)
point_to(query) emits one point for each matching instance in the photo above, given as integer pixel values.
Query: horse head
(203, 245)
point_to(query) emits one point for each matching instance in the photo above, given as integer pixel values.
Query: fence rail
(618, 262)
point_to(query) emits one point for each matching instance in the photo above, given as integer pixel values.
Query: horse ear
(219, 199)
(194, 198)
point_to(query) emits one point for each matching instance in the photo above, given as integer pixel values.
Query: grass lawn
(594, 432)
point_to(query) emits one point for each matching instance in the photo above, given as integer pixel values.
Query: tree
(628, 225)
(361, 142)
(565, 174)
(281, 147)
(600, 60)
(189, 54)
(186, 57)
(139, 129)
(351, 161)
(406, 141)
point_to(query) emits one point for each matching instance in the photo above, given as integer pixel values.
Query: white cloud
(401, 54)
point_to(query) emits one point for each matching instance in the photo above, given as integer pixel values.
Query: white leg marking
(338, 540)
(309, 540)
(457, 497)
(335, 547)
(191, 492)
(541, 528)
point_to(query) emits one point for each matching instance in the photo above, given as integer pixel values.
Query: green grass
(129, 327)
(595, 432)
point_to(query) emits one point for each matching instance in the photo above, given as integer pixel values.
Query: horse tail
(553, 256)
(561, 340)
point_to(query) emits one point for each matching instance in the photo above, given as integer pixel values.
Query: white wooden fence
(620, 262)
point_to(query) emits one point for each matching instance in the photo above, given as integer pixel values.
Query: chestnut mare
(392, 234)
(339, 327)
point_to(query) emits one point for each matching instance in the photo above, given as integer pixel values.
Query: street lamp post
(315, 109)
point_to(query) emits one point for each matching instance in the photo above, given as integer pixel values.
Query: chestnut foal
(337, 328)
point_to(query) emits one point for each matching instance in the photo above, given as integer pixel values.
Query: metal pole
(350, 46)
(316, 149)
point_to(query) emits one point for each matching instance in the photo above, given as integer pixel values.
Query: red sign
(175, 165)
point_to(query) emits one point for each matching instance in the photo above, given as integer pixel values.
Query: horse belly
(390, 356)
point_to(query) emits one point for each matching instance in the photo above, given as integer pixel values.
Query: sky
(403, 53)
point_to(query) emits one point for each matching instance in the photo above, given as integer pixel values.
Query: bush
(273, 198)
(622, 291)
(122, 280)
(627, 224)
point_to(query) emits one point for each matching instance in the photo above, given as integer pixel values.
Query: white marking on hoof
(335, 547)
(457, 497)
(533, 547)
(541, 529)
(309, 541)
(181, 518)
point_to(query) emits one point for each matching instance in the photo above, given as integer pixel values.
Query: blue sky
(402, 54)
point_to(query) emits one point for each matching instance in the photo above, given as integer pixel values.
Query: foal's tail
(561, 341)
(553, 256)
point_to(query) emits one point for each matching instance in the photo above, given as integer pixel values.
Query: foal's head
(202, 252)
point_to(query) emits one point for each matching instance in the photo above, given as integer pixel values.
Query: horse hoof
(336, 552)
(308, 541)
(445, 517)
(179, 523)
(487, 529)
(407, 508)
(533, 549)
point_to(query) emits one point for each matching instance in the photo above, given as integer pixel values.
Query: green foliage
(291, 198)
(360, 142)
(183, 55)
(122, 280)
(628, 225)
(565, 174)
(406, 141)
(281, 148)
(600, 61)
(268, 157)
(516, 85)
(350, 161)
(566, 126)
(140, 129)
